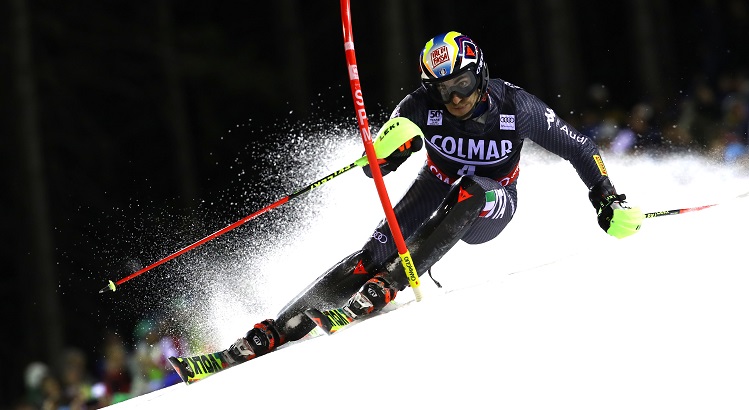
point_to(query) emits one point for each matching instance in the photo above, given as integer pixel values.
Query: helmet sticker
(439, 55)
(469, 54)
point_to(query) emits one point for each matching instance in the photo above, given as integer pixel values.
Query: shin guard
(331, 290)
(441, 231)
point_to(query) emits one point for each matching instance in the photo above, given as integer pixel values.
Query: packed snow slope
(553, 314)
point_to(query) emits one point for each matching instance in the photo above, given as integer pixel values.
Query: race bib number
(435, 117)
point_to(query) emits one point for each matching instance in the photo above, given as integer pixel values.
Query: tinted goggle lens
(442, 90)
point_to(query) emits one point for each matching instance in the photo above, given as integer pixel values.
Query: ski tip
(196, 368)
(110, 286)
(181, 368)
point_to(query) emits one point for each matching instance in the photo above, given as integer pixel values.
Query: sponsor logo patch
(471, 151)
(463, 195)
(439, 55)
(601, 166)
(506, 122)
(550, 117)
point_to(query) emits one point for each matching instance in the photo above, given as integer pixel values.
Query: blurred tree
(651, 54)
(416, 36)
(295, 69)
(531, 56)
(174, 105)
(42, 338)
(400, 59)
(565, 59)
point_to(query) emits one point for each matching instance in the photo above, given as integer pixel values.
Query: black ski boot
(371, 298)
(261, 339)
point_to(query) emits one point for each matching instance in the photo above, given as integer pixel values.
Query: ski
(334, 320)
(330, 321)
(195, 368)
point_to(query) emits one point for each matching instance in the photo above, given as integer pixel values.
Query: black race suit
(487, 148)
(476, 158)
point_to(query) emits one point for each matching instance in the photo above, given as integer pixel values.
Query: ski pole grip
(394, 133)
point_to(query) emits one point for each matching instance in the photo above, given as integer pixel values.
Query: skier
(474, 128)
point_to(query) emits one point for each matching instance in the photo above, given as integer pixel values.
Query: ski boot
(371, 298)
(261, 339)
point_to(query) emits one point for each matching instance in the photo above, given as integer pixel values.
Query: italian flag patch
(494, 206)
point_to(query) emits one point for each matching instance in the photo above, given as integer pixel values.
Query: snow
(552, 314)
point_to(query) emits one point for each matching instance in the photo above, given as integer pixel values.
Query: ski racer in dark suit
(474, 128)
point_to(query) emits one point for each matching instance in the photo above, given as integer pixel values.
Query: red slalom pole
(361, 116)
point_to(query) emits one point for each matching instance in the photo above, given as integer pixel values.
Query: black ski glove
(398, 157)
(614, 217)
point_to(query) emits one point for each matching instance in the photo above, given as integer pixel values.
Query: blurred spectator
(639, 133)
(75, 379)
(116, 376)
(153, 347)
(732, 140)
(699, 115)
(34, 376)
(599, 120)
(52, 393)
(733, 148)
(147, 372)
(24, 405)
(736, 116)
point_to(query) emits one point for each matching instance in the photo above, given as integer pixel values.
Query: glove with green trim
(614, 217)
(399, 126)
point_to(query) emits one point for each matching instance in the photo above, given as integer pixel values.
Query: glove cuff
(604, 194)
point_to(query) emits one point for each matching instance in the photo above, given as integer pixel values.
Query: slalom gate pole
(385, 146)
(685, 210)
(361, 116)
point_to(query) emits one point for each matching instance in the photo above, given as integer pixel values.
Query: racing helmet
(452, 63)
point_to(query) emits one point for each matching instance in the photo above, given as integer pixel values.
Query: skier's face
(461, 107)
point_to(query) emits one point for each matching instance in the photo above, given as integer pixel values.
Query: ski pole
(685, 210)
(383, 147)
(361, 115)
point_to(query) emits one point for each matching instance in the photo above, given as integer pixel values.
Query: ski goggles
(442, 90)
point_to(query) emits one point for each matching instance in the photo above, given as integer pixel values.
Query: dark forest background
(109, 109)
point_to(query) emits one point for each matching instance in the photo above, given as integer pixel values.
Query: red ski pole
(677, 211)
(384, 147)
(685, 210)
(361, 116)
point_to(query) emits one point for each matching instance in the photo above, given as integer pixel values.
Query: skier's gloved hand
(614, 217)
(398, 157)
